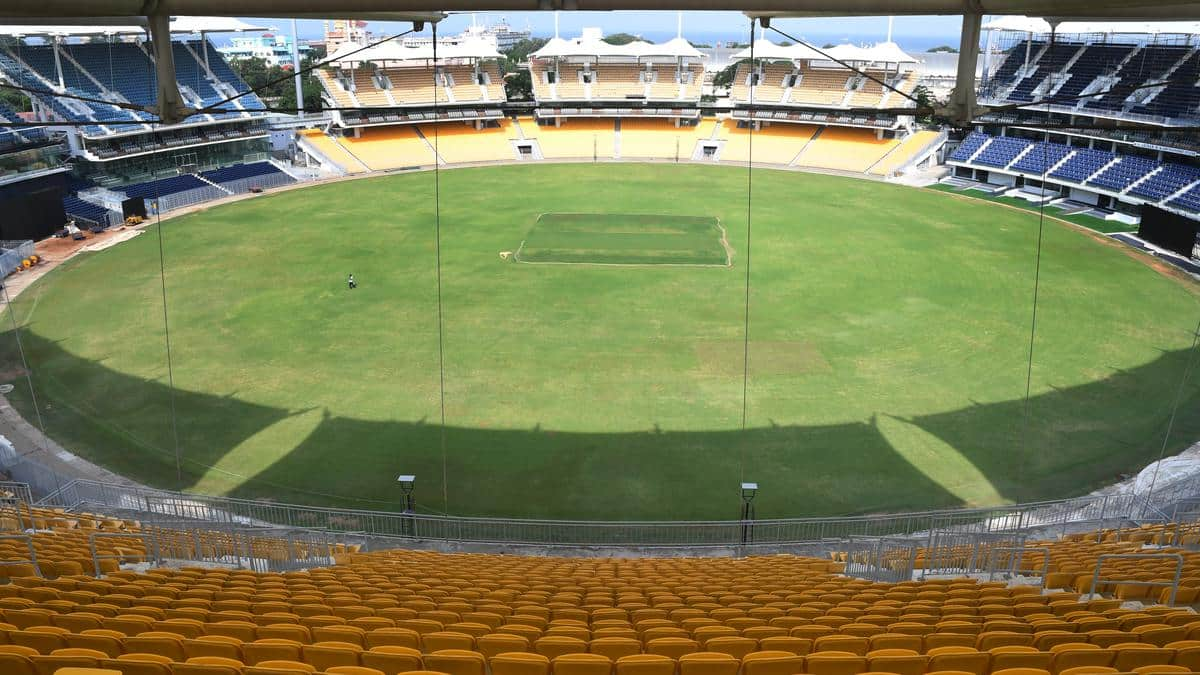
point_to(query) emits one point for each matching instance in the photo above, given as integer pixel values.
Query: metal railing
(1014, 561)
(31, 560)
(1173, 584)
(180, 200)
(938, 530)
(880, 558)
(149, 539)
(13, 253)
(262, 182)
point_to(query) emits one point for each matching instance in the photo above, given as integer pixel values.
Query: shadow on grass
(1077, 440)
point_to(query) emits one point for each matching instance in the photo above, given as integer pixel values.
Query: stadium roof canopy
(884, 52)
(179, 25)
(1027, 24)
(770, 51)
(589, 47)
(393, 52)
(431, 10)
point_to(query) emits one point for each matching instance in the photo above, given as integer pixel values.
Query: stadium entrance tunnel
(829, 469)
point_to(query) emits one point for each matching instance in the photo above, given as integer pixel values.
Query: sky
(699, 26)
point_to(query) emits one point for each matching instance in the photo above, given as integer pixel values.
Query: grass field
(889, 331)
(624, 239)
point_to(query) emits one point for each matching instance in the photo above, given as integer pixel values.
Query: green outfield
(888, 328)
(625, 239)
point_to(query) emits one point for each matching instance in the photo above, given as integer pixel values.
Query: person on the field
(351, 283)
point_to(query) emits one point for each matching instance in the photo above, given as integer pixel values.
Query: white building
(276, 50)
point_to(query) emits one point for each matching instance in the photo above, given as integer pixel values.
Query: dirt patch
(12, 374)
(767, 357)
(54, 252)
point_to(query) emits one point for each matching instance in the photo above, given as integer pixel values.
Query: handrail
(1174, 585)
(148, 538)
(32, 559)
(150, 504)
(1045, 550)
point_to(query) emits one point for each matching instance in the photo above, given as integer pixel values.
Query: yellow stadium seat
(615, 647)
(581, 664)
(737, 647)
(708, 663)
(208, 665)
(835, 663)
(456, 662)
(271, 649)
(139, 664)
(898, 661)
(965, 659)
(772, 663)
(519, 663)
(1131, 656)
(213, 645)
(324, 655)
(396, 637)
(556, 645)
(279, 668)
(673, 647)
(439, 640)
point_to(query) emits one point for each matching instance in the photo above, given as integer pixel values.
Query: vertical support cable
(746, 315)
(437, 233)
(162, 275)
(1037, 278)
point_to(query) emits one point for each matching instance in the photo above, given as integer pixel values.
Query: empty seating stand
(1170, 179)
(1181, 98)
(1002, 151)
(409, 611)
(123, 72)
(1095, 61)
(1042, 157)
(1125, 172)
(1148, 64)
(1051, 61)
(166, 186)
(240, 172)
(1189, 201)
(1083, 164)
(79, 208)
(970, 145)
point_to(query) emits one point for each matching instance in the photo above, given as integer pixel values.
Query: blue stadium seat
(1002, 151)
(1189, 200)
(1127, 171)
(78, 208)
(1172, 179)
(165, 186)
(1083, 164)
(1042, 157)
(240, 171)
(1051, 61)
(969, 146)
(1149, 64)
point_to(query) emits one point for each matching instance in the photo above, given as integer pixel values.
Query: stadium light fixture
(407, 481)
(748, 491)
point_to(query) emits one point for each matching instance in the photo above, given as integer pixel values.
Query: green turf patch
(1090, 222)
(625, 239)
